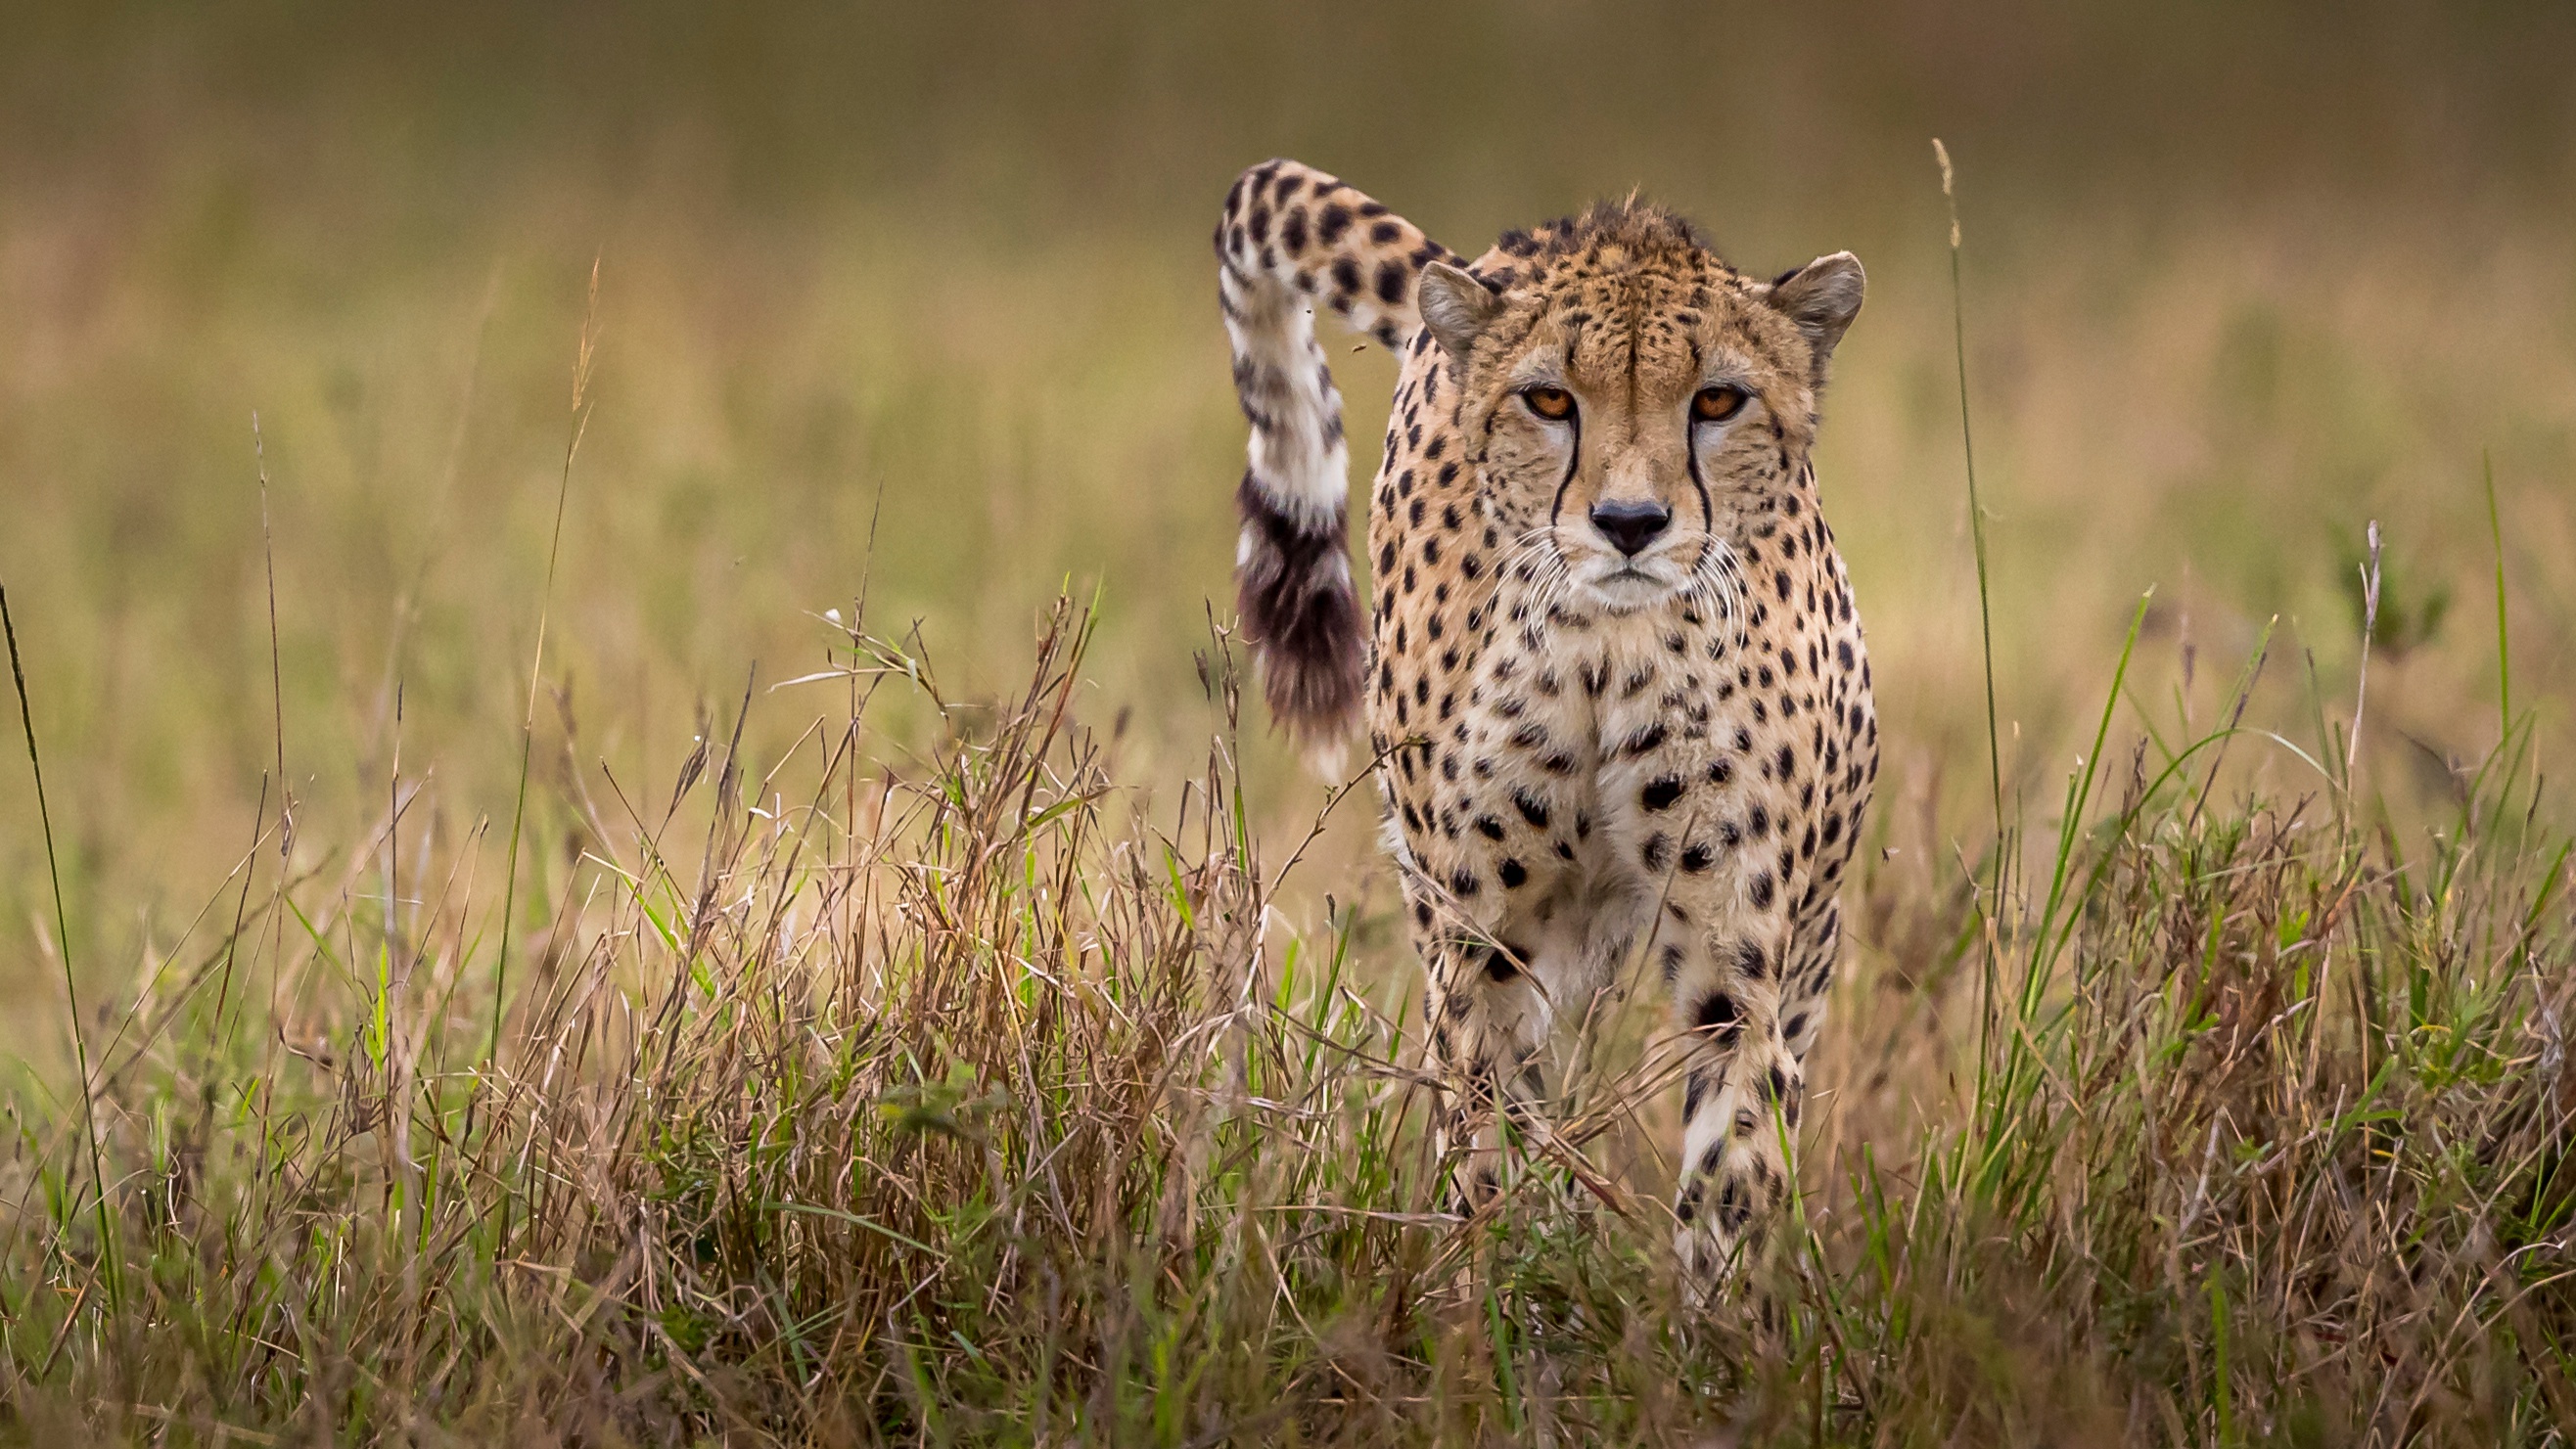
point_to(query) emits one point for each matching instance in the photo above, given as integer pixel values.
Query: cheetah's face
(1630, 410)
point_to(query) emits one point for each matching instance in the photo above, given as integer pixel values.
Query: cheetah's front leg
(1741, 1090)
(1489, 1018)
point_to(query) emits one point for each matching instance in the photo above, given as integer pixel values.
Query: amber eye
(1552, 403)
(1717, 404)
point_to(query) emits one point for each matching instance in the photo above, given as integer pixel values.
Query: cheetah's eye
(1717, 404)
(1552, 403)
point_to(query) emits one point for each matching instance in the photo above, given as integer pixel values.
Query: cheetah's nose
(1630, 526)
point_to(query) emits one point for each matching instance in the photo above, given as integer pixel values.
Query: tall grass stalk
(2504, 638)
(579, 424)
(1976, 508)
(108, 1244)
(1994, 917)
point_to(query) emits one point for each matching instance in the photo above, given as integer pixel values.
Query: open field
(943, 1019)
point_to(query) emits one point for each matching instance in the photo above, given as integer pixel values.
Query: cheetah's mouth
(1625, 585)
(1632, 584)
(1556, 570)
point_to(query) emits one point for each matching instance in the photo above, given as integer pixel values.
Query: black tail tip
(1294, 598)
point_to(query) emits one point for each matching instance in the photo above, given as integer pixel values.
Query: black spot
(1787, 764)
(1335, 220)
(1763, 891)
(1513, 876)
(1796, 1025)
(1346, 273)
(1645, 740)
(1660, 794)
(1532, 808)
(1499, 965)
(1391, 280)
(1719, 1013)
(1463, 882)
(1734, 1208)
(1750, 961)
(1658, 852)
(1694, 1088)
(1720, 771)
(1697, 858)
(1489, 827)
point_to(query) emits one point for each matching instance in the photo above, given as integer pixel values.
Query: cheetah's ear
(1822, 297)
(1456, 307)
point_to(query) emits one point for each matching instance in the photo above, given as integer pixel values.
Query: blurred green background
(2238, 279)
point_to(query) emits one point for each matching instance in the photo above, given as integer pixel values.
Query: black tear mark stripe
(1573, 461)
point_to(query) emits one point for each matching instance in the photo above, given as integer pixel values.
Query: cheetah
(1614, 683)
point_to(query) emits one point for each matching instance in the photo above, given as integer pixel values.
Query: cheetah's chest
(1559, 740)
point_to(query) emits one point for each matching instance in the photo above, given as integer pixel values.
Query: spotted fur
(1613, 674)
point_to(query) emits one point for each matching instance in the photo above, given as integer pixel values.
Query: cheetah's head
(1633, 402)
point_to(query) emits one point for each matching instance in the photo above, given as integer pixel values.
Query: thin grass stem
(107, 1239)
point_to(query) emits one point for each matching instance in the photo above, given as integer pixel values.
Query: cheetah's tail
(1293, 237)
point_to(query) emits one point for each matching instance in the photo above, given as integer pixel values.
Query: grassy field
(770, 925)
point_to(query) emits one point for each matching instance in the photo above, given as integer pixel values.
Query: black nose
(1631, 526)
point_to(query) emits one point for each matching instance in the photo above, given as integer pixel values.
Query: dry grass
(961, 1093)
